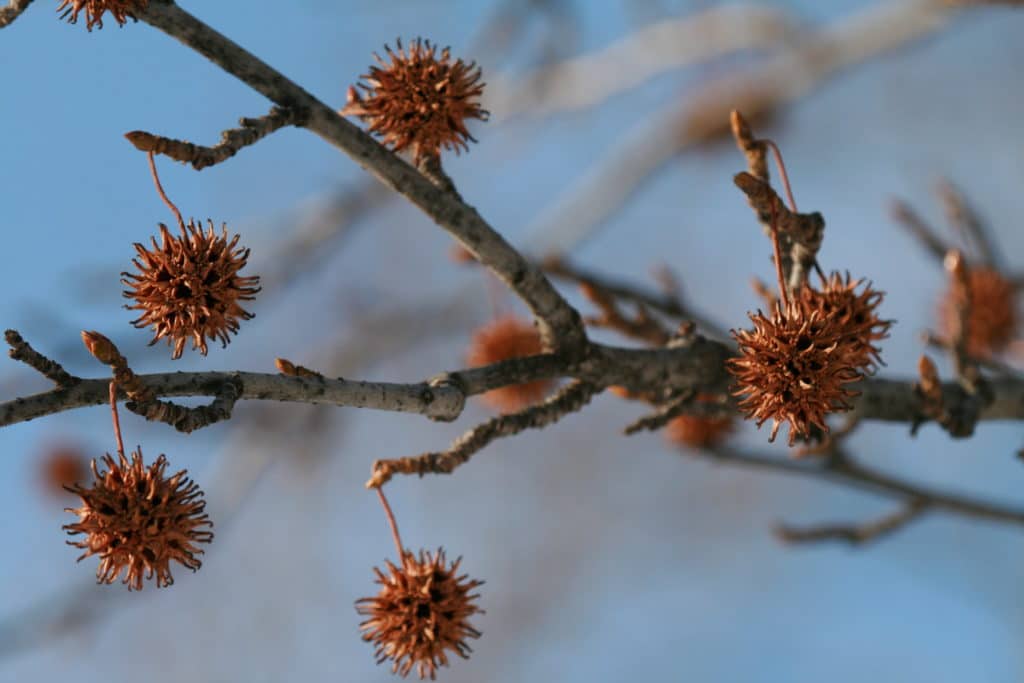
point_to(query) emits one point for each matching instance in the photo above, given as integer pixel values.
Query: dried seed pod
(793, 367)
(138, 520)
(61, 467)
(992, 321)
(188, 287)
(851, 311)
(420, 614)
(695, 431)
(123, 10)
(505, 338)
(419, 99)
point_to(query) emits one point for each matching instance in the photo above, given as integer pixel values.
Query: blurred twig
(756, 90)
(589, 80)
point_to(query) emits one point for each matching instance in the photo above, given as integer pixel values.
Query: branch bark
(560, 325)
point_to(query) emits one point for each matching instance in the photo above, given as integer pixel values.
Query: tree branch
(567, 400)
(231, 140)
(854, 534)
(559, 324)
(12, 11)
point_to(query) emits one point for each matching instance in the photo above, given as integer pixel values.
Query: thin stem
(391, 520)
(117, 422)
(160, 190)
(782, 174)
(777, 248)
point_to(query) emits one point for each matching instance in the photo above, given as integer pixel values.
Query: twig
(667, 412)
(231, 140)
(669, 303)
(970, 225)
(22, 351)
(903, 214)
(559, 324)
(854, 534)
(12, 11)
(759, 89)
(567, 400)
(188, 419)
(641, 327)
(966, 371)
(802, 232)
(588, 80)
(842, 471)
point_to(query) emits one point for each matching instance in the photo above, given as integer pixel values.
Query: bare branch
(845, 473)
(903, 214)
(52, 370)
(12, 11)
(666, 413)
(676, 43)
(669, 303)
(559, 324)
(567, 400)
(231, 140)
(970, 225)
(757, 90)
(854, 534)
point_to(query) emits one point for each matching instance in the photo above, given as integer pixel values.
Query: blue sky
(605, 557)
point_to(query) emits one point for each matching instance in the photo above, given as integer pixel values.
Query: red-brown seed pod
(419, 99)
(188, 287)
(122, 10)
(420, 614)
(505, 338)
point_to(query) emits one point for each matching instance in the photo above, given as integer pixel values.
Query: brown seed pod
(793, 367)
(420, 614)
(188, 287)
(853, 313)
(123, 10)
(138, 520)
(992, 321)
(419, 99)
(505, 338)
(61, 467)
(695, 431)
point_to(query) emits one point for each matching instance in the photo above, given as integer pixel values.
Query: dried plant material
(695, 431)
(61, 467)
(852, 311)
(123, 10)
(188, 287)
(992, 319)
(503, 339)
(420, 614)
(138, 520)
(793, 367)
(419, 99)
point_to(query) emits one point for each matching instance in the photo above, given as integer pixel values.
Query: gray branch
(560, 325)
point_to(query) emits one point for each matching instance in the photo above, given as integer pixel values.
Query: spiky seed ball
(853, 312)
(188, 287)
(137, 520)
(123, 10)
(992, 323)
(793, 367)
(696, 431)
(420, 614)
(502, 339)
(419, 99)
